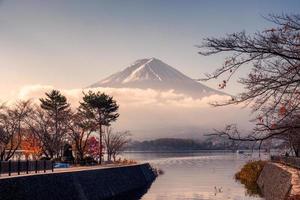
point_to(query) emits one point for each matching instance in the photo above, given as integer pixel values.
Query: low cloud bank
(127, 96)
(150, 113)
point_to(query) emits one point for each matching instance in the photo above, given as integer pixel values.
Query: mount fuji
(154, 74)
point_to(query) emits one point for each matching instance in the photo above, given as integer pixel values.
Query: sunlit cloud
(126, 96)
(150, 113)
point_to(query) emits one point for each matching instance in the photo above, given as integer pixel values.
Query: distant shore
(192, 151)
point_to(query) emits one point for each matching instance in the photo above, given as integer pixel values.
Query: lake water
(195, 176)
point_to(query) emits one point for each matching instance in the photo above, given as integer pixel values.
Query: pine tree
(54, 103)
(102, 109)
(57, 111)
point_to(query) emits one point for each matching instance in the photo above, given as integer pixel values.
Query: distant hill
(178, 144)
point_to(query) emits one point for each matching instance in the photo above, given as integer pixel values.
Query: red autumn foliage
(93, 147)
(31, 146)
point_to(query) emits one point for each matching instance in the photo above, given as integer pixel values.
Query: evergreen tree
(55, 118)
(55, 103)
(102, 109)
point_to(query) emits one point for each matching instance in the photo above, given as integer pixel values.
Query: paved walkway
(62, 170)
(295, 190)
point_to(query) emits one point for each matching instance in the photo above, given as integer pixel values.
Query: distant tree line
(49, 129)
(180, 144)
(272, 86)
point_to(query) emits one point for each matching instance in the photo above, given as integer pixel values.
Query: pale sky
(71, 44)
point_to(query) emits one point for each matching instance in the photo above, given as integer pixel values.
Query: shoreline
(192, 151)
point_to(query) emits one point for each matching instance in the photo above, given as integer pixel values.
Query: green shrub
(249, 175)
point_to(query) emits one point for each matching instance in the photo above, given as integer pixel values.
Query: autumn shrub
(249, 174)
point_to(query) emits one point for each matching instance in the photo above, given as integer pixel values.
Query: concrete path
(63, 170)
(295, 178)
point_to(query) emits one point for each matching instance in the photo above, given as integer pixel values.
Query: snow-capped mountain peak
(144, 72)
(155, 74)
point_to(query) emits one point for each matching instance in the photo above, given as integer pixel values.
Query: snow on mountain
(154, 74)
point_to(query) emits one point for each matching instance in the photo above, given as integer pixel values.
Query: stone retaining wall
(279, 182)
(94, 184)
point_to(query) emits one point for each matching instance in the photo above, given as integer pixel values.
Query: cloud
(150, 113)
(33, 91)
(126, 96)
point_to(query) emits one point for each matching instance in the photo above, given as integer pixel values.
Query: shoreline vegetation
(189, 145)
(54, 130)
(248, 176)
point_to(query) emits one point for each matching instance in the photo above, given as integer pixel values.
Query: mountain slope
(155, 74)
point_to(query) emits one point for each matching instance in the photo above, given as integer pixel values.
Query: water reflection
(196, 176)
(133, 195)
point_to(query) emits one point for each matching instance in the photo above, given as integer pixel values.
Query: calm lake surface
(195, 176)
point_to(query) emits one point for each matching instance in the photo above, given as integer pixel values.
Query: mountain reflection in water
(193, 176)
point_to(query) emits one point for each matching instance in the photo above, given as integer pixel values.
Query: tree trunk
(108, 156)
(100, 144)
(80, 155)
(297, 152)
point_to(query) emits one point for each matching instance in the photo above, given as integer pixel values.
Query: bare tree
(80, 130)
(39, 126)
(12, 127)
(272, 85)
(115, 142)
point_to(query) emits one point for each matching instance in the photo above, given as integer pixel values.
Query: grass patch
(249, 175)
